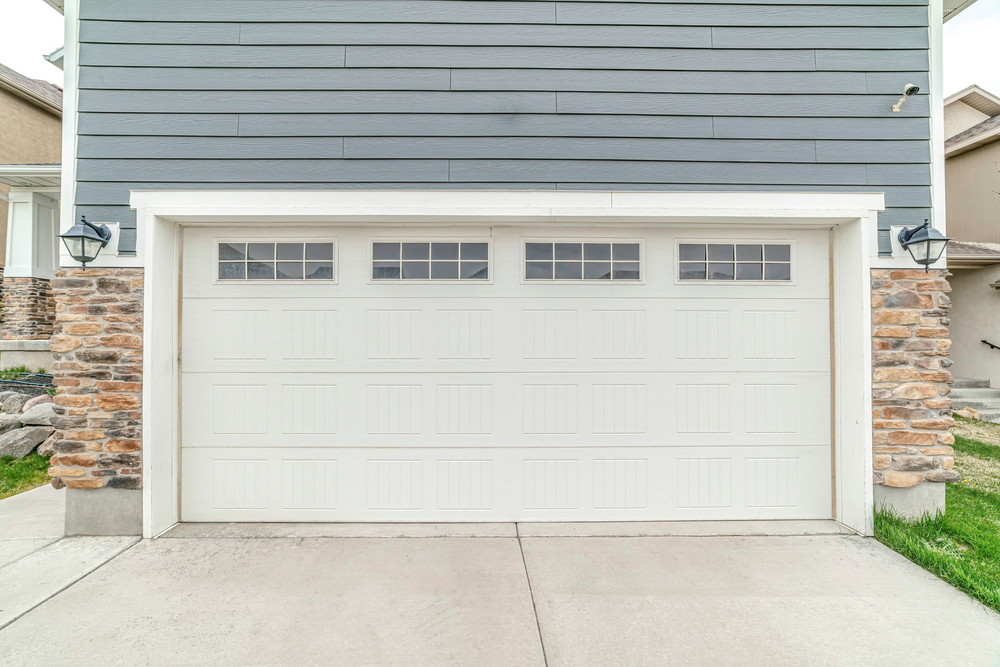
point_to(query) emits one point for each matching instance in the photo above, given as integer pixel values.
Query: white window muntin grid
(641, 242)
(792, 263)
(430, 239)
(216, 261)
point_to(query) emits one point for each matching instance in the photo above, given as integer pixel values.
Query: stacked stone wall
(910, 382)
(28, 309)
(97, 348)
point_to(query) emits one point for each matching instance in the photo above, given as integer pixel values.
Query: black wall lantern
(925, 244)
(85, 240)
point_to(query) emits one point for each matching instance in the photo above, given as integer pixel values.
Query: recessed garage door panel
(540, 484)
(504, 410)
(348, 398)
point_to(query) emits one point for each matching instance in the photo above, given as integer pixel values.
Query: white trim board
(852, 218)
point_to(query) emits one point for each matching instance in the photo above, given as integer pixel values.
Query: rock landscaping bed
(26, 437)
(961, 546)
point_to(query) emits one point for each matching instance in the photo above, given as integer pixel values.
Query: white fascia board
(509, 206)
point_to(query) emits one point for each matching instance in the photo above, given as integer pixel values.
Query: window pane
(692, 271)
(320, 251)
(475, 271)
(749, 271)
(573, 251)
(319, 270)
(261, 251)
(444, 251)
(720, 271)
(597, 270)
(777, 253)
(597, 251)
(692, 252)
(538, 270)
(537, 251)
(445, 270)
(289, 270)
(416, 270)
(260, 270)
(569, 270)
(777, 272)
(720, 253)
(232, 251)
(628, 252)
(232, 271)
(475, 251)
(289, 251)
(416, 251)
(385, 251)
(748, 253)
(626, 271)
(385, 270)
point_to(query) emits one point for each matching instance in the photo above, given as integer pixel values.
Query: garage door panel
(358, 335)
(504, 409)
(546, 484)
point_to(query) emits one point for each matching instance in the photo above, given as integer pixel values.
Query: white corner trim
(851, 218)
(936, 55)
(71, 94)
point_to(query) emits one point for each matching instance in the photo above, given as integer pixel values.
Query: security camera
(908, 91)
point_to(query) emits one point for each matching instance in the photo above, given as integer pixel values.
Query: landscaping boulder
(12, 404)
(968, 413)
(23, 441)
(40, 415)
(4, 395)
(46, 449)
(9, 422)
(37, 400)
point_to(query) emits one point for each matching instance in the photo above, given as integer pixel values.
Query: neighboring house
(30, 147)
(501, 261)
(972, 151)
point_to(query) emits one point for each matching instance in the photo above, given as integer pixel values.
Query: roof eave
(31, 96)
(31, 175)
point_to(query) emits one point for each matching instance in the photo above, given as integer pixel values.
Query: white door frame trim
(852, 217)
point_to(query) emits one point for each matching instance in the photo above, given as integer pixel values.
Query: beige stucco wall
(975, 315)
(973, 206)
(959, 116)
(28, 135)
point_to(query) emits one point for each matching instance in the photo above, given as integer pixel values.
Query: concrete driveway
(556, 595)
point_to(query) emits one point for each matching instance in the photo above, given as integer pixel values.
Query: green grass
(18, 475)
(961, 546)
(13, 372)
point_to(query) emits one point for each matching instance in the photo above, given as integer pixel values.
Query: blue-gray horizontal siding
(790, 95)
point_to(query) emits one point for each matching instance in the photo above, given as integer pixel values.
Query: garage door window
(747, 262)
(275, 261)
(567, 260)
(431, 260)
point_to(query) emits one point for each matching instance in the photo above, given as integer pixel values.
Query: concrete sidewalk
(36, 561)
(483, 595)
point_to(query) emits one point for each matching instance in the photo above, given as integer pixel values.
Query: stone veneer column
(28, 309)
(910, 384)
(97, 349)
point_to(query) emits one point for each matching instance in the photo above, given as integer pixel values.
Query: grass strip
(18, 475)
(961, 546)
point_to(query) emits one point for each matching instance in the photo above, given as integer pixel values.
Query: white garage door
(505, 373)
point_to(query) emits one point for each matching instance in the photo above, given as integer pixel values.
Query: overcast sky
(32, 28)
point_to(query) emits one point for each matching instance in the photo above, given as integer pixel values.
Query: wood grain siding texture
(789, 95)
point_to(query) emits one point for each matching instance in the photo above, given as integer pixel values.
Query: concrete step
(975, 394)
(970, 383)
(993, 417)
(988, 406)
